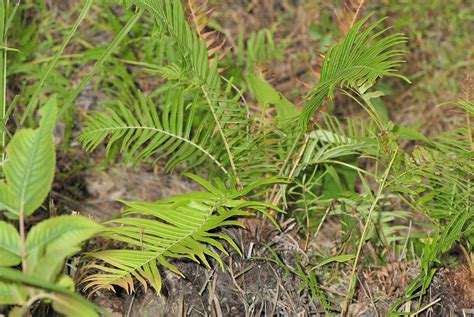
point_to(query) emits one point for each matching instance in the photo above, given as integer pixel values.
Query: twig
(356, 14)
(426, 307)
(213, 297)
(204, 286)
(129, 311)
(231, 272)
(368, 293)
(283, 288)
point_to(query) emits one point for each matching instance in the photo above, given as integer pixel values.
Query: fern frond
(350, 132)
(437, 176)
(182, 226)
(193, 50)
(229, 122)
(195, 57)
(142, 132)
(359, 59)
(460, 139)
(333, 141)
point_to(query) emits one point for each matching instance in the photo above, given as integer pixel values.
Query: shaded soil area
(246, 287)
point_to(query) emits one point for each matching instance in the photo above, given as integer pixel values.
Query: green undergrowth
(146, 81)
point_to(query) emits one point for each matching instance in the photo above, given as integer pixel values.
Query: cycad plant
(357, 61)
(264, 160)
(200, 121)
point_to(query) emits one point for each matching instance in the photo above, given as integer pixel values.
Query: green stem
(350, 292)
(105, 55)
(224, 139)
(32, 103)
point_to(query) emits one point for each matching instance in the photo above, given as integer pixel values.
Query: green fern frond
(437, 179)
(333, 141)
(142, 132)
(182, 226)
(460, 139)
(224, 132)
(440, 171)
(171, 17)
(351, 132)
(359, 59)
(201, 72)
(171, 72)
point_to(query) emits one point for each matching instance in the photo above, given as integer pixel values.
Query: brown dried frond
(350, 14)
(388, 281)
(199, 15)
(467, 88)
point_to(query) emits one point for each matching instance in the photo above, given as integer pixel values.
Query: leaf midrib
(31, 159)
(53, 237)
(200, 148)
(6, 248)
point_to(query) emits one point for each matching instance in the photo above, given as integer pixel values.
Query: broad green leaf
(29, 170)
(12, 294)
(8, 275)
(266, 95)
(71, 307)
(60, 232)
(49, 243)
(8, 200)
(10, 245)
(339, 179)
